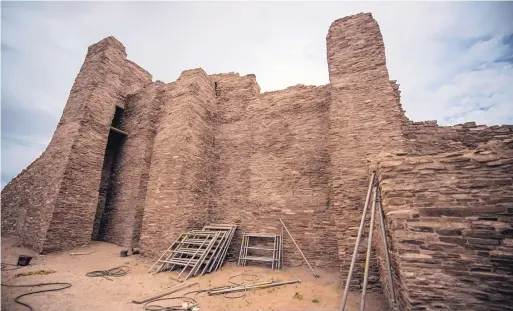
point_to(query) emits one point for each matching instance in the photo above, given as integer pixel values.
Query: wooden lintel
(118, 131)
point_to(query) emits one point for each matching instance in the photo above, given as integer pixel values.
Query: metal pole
(242, 287)
(385, 244)
(230, 237)
(315, 274)
(369, 250)
(355, 252)
(281, 250)
(246, 245)
(240, 253)
(192, 258)
(251, 286)
(165, 253)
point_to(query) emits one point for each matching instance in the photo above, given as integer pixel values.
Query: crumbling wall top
(107, 43)
(341, 21)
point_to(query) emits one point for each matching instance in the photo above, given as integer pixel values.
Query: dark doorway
(108, 179)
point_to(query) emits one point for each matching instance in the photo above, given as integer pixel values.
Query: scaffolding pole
(360, 231)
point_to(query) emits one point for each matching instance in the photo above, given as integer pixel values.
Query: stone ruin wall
(450, 220)
(178, 192)
(428, 138)
(108, 78)
(448, 206)
(213, 148)
(272, 162)
(448, 201)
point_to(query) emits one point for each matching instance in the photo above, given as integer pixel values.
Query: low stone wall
(450, 220)
(427, 137)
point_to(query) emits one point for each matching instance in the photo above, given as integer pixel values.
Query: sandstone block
(448, 232)
(438, 212)
(483, 241)
(453, 240)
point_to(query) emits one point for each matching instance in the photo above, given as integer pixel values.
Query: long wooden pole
(315, 274)
(355, 252)
(173, 290)
(118, 131)
(369, 251)
(385, 244)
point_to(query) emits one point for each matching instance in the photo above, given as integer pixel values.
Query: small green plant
(298, 296)
(315, 300)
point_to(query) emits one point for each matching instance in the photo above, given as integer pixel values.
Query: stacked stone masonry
(450, 220)
(424, 138)
(136, 162)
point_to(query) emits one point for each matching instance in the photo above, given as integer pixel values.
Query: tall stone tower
(52, 204)
(365, 118)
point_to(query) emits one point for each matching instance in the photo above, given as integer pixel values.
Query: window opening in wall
(215, 89)
(116, 121)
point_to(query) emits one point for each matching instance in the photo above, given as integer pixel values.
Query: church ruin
(136, 162)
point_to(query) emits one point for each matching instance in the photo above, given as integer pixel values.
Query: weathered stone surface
(440, 211)
(426, 138)
(272, 161)
(483, 241)
(178, 195)
(448, 231)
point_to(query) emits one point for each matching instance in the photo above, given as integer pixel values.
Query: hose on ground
(17, 299)
(114, 272)
(4, 266)
(191, 304)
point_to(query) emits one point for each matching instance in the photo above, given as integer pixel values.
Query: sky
(453, 60)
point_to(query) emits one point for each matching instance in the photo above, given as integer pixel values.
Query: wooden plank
(118, 131)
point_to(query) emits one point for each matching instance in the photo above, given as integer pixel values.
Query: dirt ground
(96, 293)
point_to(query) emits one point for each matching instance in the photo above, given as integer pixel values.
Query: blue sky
(453, 60)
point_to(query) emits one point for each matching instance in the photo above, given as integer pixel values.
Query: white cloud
(444, 54)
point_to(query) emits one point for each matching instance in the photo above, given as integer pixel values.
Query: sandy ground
(101, 294)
